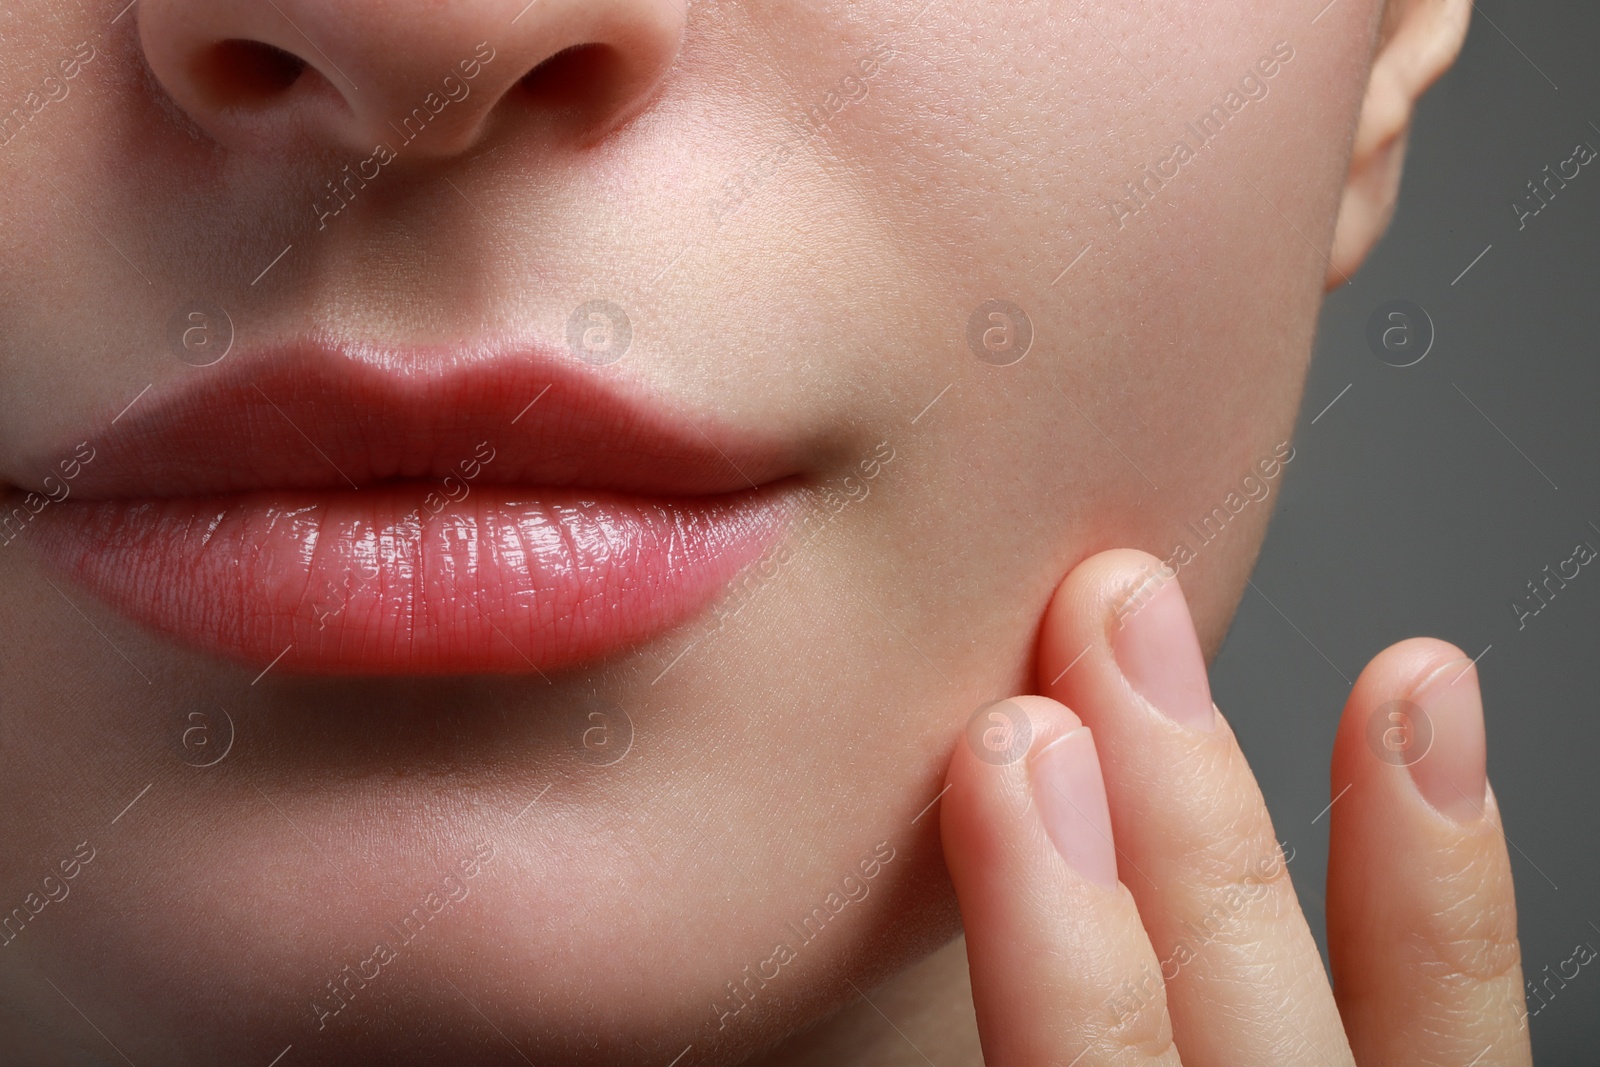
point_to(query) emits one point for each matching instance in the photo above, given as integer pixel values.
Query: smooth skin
(1421, 918)
(823, 302)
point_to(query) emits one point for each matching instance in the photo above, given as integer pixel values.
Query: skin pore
(800, 207)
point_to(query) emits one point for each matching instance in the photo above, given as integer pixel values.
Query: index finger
(1051, 934)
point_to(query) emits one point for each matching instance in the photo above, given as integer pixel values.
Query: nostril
(569, 78)
(260, 76)
(238, 73)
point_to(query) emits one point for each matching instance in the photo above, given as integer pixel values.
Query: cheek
(1169, 346)
(1159, 312)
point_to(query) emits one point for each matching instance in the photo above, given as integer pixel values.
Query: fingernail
(1156, 647)
(1071, 797)
(1452, 774)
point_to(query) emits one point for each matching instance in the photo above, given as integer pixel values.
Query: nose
(429, 75)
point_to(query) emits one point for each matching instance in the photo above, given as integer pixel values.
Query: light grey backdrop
(1426, 497)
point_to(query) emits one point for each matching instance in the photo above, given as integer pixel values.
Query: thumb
(1054, 942)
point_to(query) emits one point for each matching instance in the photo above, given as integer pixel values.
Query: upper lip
(321, 415)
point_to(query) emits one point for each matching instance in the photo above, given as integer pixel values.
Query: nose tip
(422, 76)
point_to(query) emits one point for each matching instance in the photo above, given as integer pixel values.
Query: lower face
(708, 834)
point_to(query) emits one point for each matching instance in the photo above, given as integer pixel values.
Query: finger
(1027, 840)
(1422, 927)
(1245, 983)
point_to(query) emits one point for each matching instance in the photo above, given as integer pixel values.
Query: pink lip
(338, 511)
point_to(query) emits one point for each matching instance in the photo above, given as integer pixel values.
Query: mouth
(328, 509)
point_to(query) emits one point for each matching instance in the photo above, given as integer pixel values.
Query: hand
(1183, 941)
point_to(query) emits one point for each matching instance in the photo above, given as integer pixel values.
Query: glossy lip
(335, 510)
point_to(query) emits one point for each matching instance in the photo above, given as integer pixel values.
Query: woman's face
(624, 747)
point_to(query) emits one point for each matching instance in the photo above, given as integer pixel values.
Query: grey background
(1406, 512)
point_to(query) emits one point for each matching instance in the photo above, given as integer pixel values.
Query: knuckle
(1233, 869)
(1470, 935)
(1138, 1029)
(1472, 962)
(1225, 842)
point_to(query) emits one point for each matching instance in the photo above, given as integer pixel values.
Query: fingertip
(1085, 604)
(1386, 715)
(1000, 738)
(989, 783)
(1403, 667)
(1051, 717)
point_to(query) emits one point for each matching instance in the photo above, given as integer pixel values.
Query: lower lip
(394, 580)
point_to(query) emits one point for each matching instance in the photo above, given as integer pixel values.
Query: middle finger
(1245, 984)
